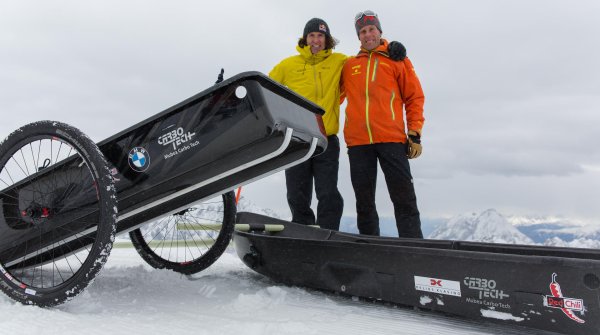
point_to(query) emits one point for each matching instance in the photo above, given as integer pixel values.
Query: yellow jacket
(317, 78)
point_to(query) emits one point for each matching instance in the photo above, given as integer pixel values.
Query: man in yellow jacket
(315, 74)
(380, 93)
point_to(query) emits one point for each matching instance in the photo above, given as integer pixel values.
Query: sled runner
(547, 288)
(63, 197)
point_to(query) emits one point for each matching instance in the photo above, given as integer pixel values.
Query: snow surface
(129, 297)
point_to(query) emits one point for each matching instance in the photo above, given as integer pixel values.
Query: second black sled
(547, 288)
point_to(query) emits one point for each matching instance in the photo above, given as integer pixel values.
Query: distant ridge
(489, 226)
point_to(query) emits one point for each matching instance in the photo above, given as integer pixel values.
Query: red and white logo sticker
(437, 285)
(567, 305)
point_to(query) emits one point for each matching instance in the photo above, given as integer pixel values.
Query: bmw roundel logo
(139, 159)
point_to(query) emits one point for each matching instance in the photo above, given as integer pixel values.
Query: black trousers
(396, 170)
(323, 169)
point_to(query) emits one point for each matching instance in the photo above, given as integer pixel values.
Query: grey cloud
(511, 86)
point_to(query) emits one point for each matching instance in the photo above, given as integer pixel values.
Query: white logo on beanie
(322, 27)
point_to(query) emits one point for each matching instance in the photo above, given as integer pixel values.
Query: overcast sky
(512, 87)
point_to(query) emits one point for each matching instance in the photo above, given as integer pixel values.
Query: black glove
(396, 51)
(220, 77)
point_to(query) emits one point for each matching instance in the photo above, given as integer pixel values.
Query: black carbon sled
(547, 288)
(167, 181)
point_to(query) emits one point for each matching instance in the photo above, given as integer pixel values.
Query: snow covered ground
(129, 297)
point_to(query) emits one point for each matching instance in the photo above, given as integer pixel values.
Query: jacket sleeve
(412, 95)
(342, 88)
(278, 73)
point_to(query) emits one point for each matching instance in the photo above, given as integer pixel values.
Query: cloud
(511, 86)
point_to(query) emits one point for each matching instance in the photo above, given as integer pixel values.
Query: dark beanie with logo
(367, 20)
(316, 25)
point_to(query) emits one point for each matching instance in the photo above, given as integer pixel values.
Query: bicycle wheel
(191, 240)
(57, 213)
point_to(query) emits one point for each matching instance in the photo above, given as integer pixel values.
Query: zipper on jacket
(314, 68)
(321, 83)
(392, 105)
(367, 99)
(375, 69)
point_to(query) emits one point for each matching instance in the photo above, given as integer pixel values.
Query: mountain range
(488, 226)
(491, 226)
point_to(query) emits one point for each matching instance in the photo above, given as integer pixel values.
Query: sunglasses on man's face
(367, 13)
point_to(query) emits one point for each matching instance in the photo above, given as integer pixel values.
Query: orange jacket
(377, 89)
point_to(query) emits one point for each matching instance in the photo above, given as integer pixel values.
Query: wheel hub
(36, 211)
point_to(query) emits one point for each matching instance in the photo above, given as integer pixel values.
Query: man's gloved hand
(220, 77)
(414, 144)
(396, 51)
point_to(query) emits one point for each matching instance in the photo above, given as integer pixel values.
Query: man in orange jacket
(379, 90)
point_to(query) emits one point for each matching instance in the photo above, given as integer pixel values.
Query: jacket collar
(309, 57)
(381, 49)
